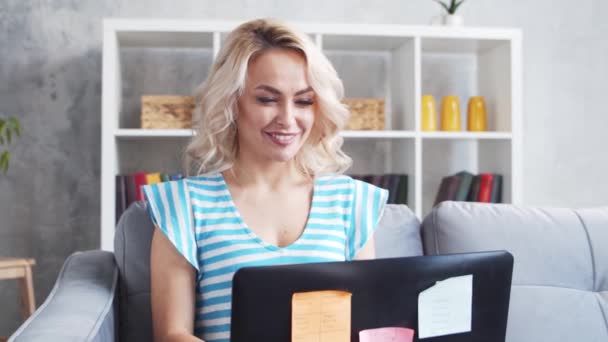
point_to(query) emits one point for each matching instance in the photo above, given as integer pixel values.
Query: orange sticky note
(321, 316)
(388, 334)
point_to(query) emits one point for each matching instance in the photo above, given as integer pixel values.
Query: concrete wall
(50, 76)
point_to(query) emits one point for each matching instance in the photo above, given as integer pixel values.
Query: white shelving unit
(394, 62)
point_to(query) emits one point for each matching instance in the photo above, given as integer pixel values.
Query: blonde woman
(269, 187)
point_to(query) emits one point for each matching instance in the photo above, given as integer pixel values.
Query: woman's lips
(282, 139)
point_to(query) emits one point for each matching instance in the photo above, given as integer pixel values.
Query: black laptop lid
(384, 294)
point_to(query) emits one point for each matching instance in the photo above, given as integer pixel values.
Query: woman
(269, 187)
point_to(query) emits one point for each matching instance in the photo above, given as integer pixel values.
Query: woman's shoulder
(334, 179)
(209, 182)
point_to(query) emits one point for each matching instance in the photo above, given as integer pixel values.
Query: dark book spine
(454, 183)
(464, 188)
(131, 189)
(402, 191)
(121, 196)
(393, 188)
(447, 189)
(474, 193)
(385, 182)
(376, 180)
(496, 196)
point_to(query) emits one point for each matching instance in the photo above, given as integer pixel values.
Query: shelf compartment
(384, 156)
(144, 72)
(154, 155)
(470, 67)
(443, 157)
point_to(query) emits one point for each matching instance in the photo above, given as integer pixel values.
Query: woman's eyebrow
(278, 92)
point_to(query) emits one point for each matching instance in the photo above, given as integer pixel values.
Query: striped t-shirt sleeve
(168, 205)
(368, 203)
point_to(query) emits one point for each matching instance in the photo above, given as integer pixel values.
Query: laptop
(384, 294)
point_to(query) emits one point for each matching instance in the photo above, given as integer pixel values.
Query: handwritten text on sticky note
(445, 308)
(321, 316)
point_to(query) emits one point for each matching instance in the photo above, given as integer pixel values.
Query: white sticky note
(445, 308)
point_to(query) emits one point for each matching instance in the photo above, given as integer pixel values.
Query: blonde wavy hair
(215, 146)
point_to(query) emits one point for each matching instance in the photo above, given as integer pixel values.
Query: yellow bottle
(429, 113)
(450, 113)
(476, 120)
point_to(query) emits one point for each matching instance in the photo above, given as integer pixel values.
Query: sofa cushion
(132, 242)
(398, 233)
(557, 275)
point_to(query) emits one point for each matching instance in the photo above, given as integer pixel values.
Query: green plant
(8, 126)
(452, 7)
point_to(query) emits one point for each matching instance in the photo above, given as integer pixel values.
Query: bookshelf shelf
(467, 135)
(136, 133)
(398, 63)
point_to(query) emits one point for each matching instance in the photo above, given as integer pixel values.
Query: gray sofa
(559, 290)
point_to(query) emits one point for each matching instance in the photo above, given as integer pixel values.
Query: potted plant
(451, 18)
(8, 127)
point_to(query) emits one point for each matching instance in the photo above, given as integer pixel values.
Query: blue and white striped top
(199, 217)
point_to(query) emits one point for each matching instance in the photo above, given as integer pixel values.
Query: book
(140, 180)
(376, 180)
(474, 192)
(485, 187)
(385, 182)
(367, 178)
(496, 196)
(130, 188)
(402, 190)
(393, 188)
(447, 189)
(164, 177)
(153, 178)
(121, 196)
(176, 176)
(466, 178)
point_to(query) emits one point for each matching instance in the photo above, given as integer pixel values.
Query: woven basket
(166, 111)
(365, 114)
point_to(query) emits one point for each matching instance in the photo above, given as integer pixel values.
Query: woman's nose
(286, 116)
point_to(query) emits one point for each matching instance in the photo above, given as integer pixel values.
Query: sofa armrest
(81, 306)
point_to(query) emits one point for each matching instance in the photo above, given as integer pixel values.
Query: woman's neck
(271, 176)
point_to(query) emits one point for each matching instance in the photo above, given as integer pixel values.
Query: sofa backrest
(398, 234)
(560, 274)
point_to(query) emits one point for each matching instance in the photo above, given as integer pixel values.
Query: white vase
(453, 20)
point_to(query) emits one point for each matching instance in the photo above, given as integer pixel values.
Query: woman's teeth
(282, 137)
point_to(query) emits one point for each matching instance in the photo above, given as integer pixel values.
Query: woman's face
(276, 111)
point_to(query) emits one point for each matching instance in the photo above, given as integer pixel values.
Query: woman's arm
(368, 251)
(172, 296)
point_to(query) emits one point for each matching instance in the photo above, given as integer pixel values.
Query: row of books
(396, 184)
(465, 186)
(128, 187)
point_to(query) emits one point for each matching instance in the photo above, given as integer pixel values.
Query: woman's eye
(304, 102)
(265, 100)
